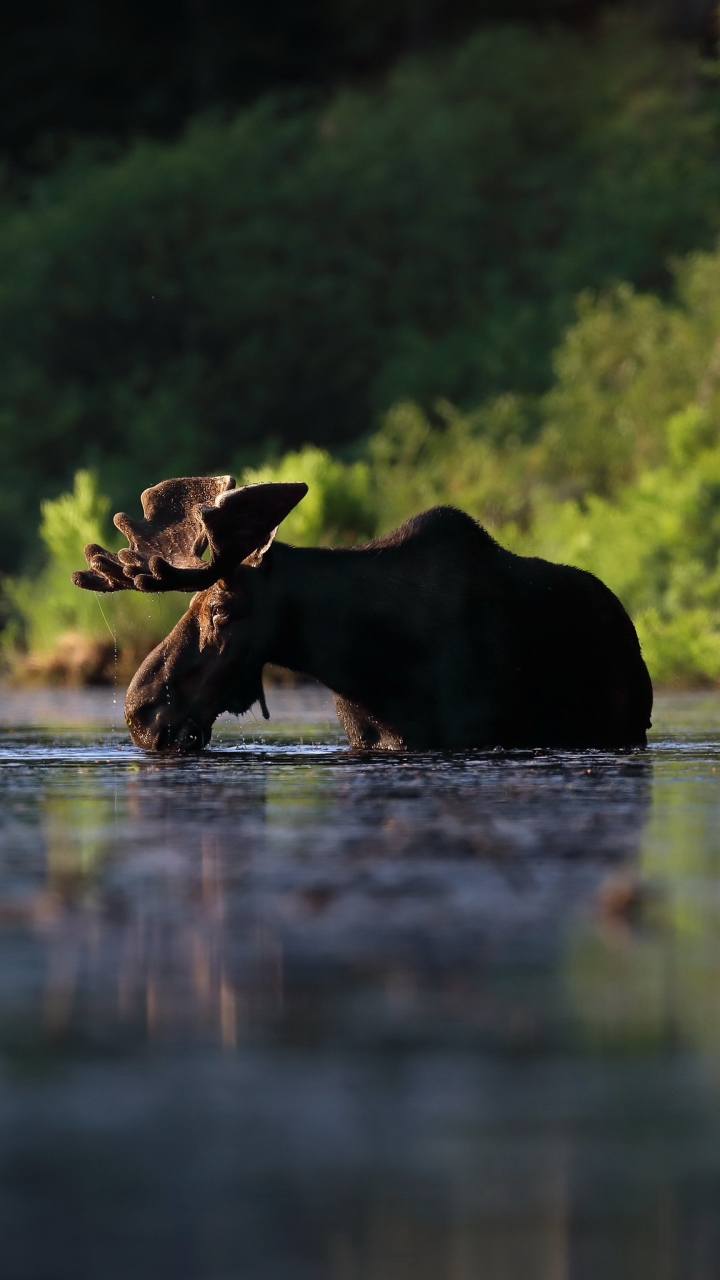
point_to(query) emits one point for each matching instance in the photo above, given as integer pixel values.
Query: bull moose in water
(432, 637)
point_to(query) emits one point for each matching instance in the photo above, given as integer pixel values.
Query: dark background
(128, 67)
(228, 230)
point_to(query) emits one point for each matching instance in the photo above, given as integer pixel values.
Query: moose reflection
(432, 637)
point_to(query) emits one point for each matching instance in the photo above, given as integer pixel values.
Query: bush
(477, 461)
(73, 635)
(338, 508)
(615, 469)
(287, 276)
(655, 541)
(60, 634)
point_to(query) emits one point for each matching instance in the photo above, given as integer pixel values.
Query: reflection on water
(288, 1012)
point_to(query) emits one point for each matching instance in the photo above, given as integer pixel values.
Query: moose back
(432, 637)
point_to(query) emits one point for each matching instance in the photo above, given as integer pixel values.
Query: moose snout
(160, 711)
(154, 728)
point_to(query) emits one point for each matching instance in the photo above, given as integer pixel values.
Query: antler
(182, 518)
(170, 532)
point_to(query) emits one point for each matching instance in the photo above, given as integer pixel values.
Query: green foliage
(618, 373)
(655, 541)
(285, 279)
(656, 544)
(418, 464)
(47, 607)
(623, 479)
(339, 507)
(287, 276)
(49, 614)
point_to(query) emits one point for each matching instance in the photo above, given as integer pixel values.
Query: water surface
(286, 1012)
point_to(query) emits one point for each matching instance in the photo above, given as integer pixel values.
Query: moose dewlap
(433, 637)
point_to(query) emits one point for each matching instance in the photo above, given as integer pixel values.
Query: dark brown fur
(433, 637)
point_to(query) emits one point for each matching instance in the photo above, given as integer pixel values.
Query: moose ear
(243, 522)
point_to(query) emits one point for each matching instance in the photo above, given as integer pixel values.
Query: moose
(433, 637)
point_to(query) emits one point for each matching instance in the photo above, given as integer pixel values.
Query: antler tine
(105, 571)
(165, 547)
(181, 518)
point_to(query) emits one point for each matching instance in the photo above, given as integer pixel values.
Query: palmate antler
(182, 518)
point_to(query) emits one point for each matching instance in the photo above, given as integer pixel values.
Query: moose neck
(322, 600)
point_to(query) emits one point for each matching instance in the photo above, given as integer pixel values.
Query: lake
(285, 1012)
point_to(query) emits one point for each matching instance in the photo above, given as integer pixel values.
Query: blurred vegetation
(58, 633)
(487, 280)
(285, 277)
(636, 502)
(647, 973)
(339, 508)
(126, 67)
(621, 478)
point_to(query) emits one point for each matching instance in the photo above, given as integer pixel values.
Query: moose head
(212, 660)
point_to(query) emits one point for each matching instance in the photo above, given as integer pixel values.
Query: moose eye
(219, 616)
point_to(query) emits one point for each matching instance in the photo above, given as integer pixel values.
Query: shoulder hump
(439, 524)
